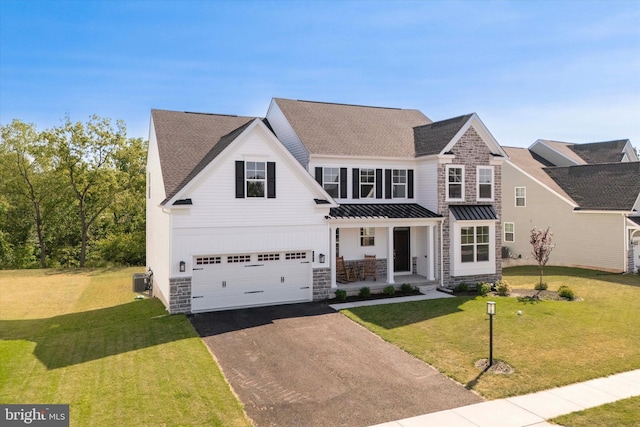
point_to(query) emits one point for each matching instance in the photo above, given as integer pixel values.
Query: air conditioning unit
(139, 282)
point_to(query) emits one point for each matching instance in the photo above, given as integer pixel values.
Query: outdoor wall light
(183, 266)
(321, 257)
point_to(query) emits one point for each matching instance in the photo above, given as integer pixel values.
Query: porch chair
(370, 267)
(344, 274)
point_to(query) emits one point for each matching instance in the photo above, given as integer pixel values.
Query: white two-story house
(244, 211)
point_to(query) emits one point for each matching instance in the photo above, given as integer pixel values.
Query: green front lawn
(623, 413)
(79, 337)
(553, 343)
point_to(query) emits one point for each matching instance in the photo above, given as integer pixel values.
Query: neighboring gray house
(244, 211)
(589, 194)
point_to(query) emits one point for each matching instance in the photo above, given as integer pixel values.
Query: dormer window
(485, 183)
(455, 182)
(331, 181)
(399, 183)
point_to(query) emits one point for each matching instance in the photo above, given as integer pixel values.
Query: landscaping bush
(541, 287)
(341, 295)
(483, 288)
(503, 288)
(389, 290)
(406, 288)
(566, 292)
(365, 292)
(462, 287)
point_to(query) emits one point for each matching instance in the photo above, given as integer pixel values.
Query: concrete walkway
(530, 410)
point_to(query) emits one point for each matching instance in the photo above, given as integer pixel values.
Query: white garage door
(243, 280)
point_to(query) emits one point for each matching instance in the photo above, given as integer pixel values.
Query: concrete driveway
(307, 365)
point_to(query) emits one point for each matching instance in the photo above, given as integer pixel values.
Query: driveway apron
(307, 365)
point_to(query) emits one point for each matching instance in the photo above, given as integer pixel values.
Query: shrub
(389, 290)
(341, 295)
(541, 287)
(462, 287)
(503, 288)
(566, 292)
(406, 288)
(365, 293)
(483, 288)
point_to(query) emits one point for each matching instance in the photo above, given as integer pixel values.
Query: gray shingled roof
(380, 210)
(433, 138)
(610, 186)
(600, 152)
(353, 130)
(187, 142)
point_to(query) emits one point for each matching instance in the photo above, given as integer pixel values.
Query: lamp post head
(491, 308)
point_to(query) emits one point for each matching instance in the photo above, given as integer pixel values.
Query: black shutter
(271, 180)
(378, 183)
(388, 187)
(410, 183)
(319, 175)
(239, 179)
(356, 183)
(343, 183)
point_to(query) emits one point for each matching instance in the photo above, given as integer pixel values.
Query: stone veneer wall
(470, 151)
(180, 295)
(632, 266)
(321, 283)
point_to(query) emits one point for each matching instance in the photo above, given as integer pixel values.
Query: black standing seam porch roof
(635, 219)
(380, 210)
(473, 212)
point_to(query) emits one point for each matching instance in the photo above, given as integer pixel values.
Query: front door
(401, 258)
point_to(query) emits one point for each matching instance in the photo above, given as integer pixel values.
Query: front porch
(376, 287)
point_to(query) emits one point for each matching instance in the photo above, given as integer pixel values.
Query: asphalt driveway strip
(308, 365)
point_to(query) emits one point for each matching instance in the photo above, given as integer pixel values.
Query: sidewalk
(427, 295)
(532, 409)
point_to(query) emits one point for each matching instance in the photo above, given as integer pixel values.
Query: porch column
(432, 253)
(390, 256)
(332, 256)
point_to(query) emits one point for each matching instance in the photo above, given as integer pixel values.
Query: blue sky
(567, 71)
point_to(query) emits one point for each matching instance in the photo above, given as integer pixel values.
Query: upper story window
(485, 183)
(399, 183)
(331, 181)
(367, 183)
(455, 182)
(256, 176)
(521, 196)
(367, 236)
(474, 243)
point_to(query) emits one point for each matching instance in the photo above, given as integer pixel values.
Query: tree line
(72, 195)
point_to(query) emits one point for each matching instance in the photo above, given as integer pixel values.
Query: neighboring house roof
(378, 210)
(601, 152)
(610, 186)
(187, 142)
(564, 148)
(532, 165)
(432, 138)
(473, 212)
(353, 130)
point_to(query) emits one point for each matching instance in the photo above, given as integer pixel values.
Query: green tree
(30, 176)
(87, 154)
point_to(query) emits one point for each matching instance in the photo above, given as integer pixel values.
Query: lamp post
(491, 311)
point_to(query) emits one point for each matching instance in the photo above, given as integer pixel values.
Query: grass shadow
(76, 338)
(393, 316)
